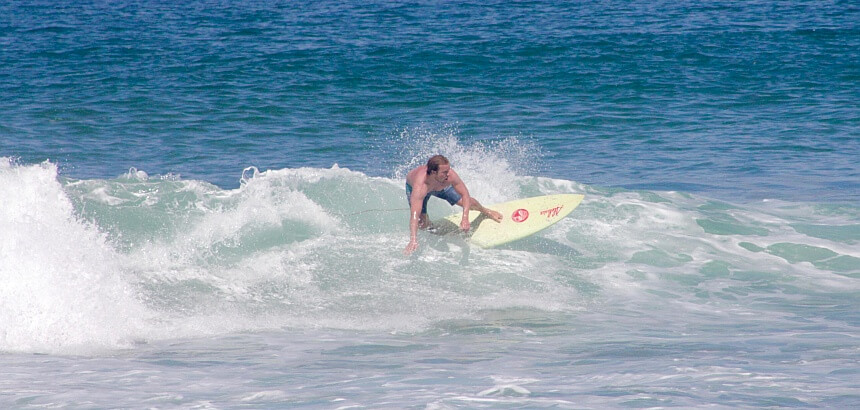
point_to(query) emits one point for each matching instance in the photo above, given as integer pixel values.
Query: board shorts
(449, 194)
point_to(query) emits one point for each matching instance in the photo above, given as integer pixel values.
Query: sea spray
(62, 285)
(487, 167)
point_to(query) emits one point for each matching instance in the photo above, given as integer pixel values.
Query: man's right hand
(413, 245)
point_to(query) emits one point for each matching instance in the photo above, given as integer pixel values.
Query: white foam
(275, 253)
(60, 282)
(265, 396)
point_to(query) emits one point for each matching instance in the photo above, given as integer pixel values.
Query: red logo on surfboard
(552, 212)
(520, 215)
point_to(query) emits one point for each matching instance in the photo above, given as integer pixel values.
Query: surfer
(439, 180)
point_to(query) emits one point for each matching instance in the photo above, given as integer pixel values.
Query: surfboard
(520, 218)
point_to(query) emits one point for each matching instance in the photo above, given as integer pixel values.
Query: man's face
(442, 172)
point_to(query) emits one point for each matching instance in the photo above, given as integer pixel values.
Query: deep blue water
(738, 101)
(220, 219)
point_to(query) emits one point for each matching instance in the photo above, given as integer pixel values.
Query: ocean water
(202, 205)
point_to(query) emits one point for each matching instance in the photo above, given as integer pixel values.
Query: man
(438, 179)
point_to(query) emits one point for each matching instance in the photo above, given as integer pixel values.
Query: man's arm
(416, 202)
(467, 202)
(465, 199)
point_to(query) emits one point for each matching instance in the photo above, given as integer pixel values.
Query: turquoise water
(202, 205)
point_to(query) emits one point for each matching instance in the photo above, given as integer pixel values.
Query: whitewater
(292, 289)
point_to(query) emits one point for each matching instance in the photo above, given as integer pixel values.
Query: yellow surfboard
(520, 218)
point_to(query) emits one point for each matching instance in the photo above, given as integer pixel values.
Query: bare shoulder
(417, 175)
(454, 177)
